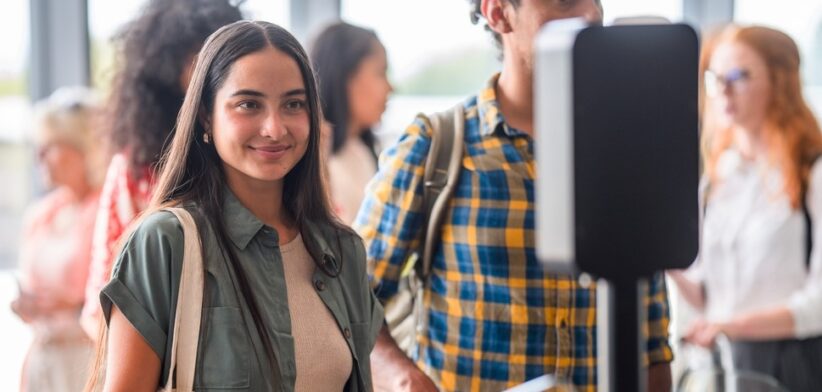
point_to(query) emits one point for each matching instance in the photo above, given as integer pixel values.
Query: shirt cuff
(116, 293)
(807, 319)
(659, 352)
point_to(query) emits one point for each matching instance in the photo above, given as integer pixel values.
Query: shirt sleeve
(805, 303)
(658, 349)
(145, 275)
(390, 218)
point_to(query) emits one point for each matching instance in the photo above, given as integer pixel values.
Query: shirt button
(328, 262)
(319, 285)
(347, 333)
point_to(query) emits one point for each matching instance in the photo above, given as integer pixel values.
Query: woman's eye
(295, 105)
(249, 105)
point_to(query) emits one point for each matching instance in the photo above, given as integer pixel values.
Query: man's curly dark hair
(476, 16)
(153, 52)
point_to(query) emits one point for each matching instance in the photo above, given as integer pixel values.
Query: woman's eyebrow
(250, 92)
(291, 93)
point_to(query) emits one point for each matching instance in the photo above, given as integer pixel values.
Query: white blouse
(752, 253)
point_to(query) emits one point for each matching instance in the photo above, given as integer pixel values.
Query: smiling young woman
(287, 305)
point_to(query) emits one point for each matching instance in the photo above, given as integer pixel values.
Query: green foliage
(459, 73)
(102, 64)
(13, 85)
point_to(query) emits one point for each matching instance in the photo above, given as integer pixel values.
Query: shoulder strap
(808, 232)
(189, 309)
(441, 173)
(808, 221)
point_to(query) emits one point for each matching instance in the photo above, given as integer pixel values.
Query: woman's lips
(271, 152)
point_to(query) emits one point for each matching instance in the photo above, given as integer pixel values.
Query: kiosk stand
(617, 155)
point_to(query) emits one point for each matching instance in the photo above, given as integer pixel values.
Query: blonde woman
(56, 243)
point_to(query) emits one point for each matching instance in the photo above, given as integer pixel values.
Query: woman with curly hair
(156, 57)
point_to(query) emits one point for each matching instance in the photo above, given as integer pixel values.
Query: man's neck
(515, 95)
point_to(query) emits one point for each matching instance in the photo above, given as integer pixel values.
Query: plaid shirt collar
(491, 120)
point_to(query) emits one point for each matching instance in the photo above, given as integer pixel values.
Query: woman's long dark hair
(336, 53)
(154, 50)
(190, 171)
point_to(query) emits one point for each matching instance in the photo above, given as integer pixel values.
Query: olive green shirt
(145, 282)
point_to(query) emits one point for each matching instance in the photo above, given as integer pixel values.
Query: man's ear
(494, 13)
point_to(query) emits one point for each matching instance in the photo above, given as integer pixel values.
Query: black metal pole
(620, 340)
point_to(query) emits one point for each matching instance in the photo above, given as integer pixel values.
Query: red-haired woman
(758, 278)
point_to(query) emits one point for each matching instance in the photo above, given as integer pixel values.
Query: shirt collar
(319, 235)
(490, 117)
(242, 226)
(240, 223)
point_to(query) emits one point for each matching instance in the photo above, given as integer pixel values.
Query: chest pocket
(223, 360)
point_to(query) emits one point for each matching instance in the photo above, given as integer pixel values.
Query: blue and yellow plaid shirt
(496, 318)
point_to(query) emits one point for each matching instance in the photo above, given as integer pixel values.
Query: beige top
(349, 171)
(322, 356)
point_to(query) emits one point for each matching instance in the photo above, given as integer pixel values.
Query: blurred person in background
(155, 59)
(758, 277)
(351, 67)
(56, 242)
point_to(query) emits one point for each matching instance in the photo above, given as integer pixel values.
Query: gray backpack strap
(440, 176)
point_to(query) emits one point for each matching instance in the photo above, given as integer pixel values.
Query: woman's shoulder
(332, 230)
(158, 228)
(154, 246)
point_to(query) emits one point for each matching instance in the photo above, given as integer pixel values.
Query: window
(16, 162)
(274, 11)
(428, 73)
(669, 9)
(802, 20)
(106, 18)
(15, 110)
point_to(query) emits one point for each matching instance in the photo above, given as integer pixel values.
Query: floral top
(122, 198)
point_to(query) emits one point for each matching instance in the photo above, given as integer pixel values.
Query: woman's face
(260, 123)
(368, 89)
(62, 163)
(738, 85)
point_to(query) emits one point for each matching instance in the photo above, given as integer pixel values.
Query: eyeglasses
(735, 80)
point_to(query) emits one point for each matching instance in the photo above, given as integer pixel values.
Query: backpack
(404, 313)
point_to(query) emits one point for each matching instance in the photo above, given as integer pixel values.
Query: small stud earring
(206, 139)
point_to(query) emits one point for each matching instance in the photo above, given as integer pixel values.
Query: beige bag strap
(189, 308)
(440, 176)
